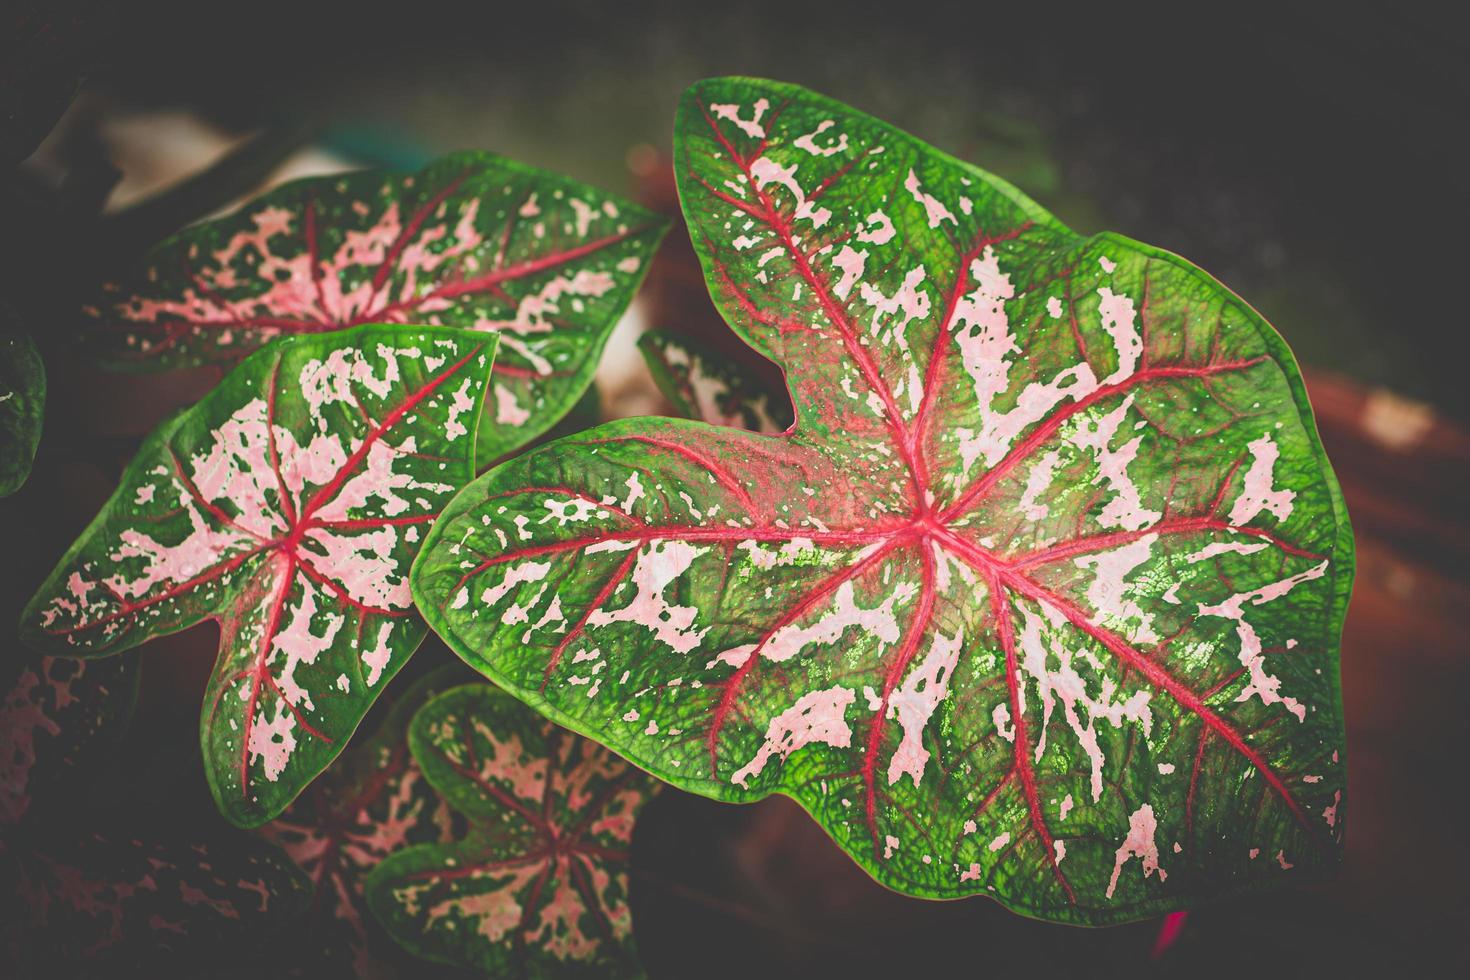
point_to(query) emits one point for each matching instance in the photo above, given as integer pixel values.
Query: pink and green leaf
(371, 804)
(59, 719)
(538, 887)
(22, 405)
(287, 505)
(1039, 599)
(473, 240)
(127, 906)
(702, 385)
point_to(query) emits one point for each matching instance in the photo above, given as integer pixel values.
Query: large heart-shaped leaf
(22, 403)
(538, 887)
(287, 505)
(472, 240)
(58, 717)
(371, 804)
(103, 905)
(1040, 598)
(701, 385)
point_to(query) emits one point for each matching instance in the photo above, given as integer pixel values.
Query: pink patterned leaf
(702, 386)
(472, 240)
(1039, 598)
(105, 905)
(58, 718)
(287, 505)
(538, 887)
(372, 803)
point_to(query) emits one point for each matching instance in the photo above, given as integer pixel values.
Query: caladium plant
(22, 403)
(701, 385)
(82, 900)
(135, 905)
(473, 240)
(538, 887)
(1039, 598)
(58, 715)
(371, 804)
(286, 505)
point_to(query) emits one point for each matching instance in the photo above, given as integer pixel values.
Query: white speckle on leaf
(817, 716)
(1140, 844)
(656, 568)
(934, 210)
(1252, 655)
(1258, 493)
(750, 127)
(808, 141)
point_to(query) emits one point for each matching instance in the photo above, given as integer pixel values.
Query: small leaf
(538, 887)
(1039, 599)
(372, 803)
(56, 720)
(113, 906)
(22, 404)
(472, 240)
(702, 386)
(287, 505)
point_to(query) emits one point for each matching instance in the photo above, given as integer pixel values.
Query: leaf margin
(24, 362)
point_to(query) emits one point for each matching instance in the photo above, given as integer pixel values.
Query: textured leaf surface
(702, 386)
(287, 505)
(473, 240)
(372, 803)
(104, 905)
(538, 887)
(54, 720)
(1040, 598)
(22, 404)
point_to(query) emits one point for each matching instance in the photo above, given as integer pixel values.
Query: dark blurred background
(1310, 157)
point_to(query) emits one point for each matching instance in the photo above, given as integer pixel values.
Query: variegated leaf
(1041, 596)
(58, 718)
(287, 505)
(371, 804)
(538, 887)
(702, 386)
(472, 240)
(103, 905)
(22, 403)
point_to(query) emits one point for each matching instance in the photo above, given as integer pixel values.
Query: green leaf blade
(1039, 599)
(473, 240)
(22, 407)
(288, 506)
(539, 884)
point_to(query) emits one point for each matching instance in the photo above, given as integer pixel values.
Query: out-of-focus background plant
(1311, 162)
